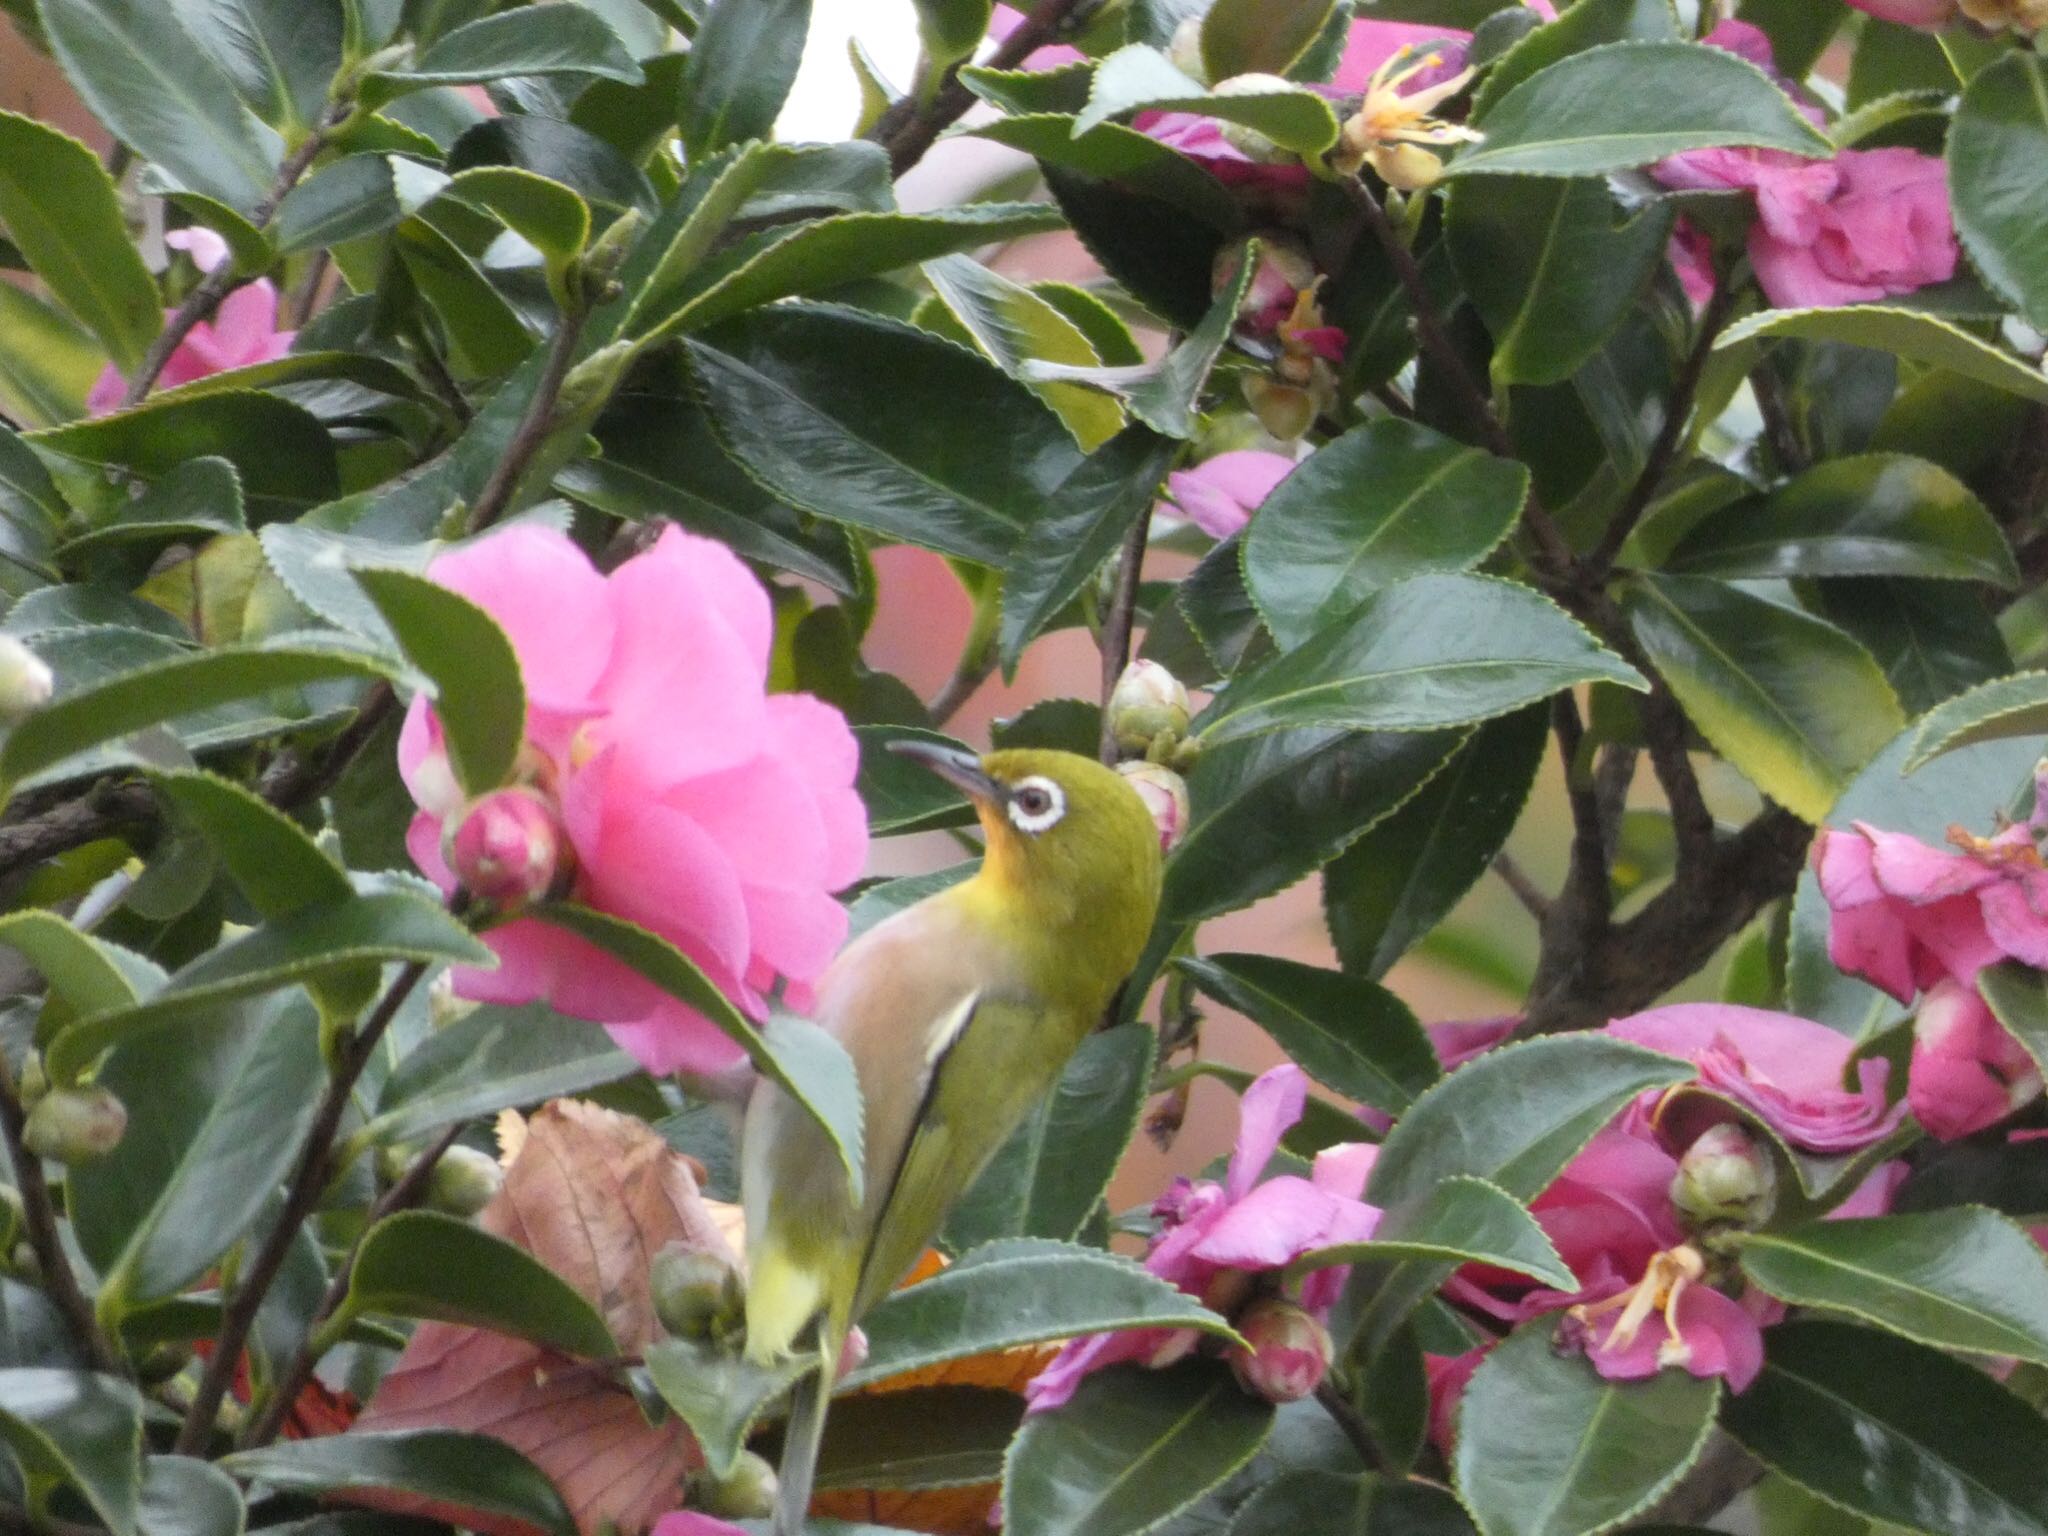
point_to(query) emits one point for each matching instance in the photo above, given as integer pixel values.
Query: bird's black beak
(958, 767)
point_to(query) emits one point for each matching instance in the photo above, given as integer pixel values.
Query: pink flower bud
(71, 1125)
(508, 849)
(1288, 1353)
(1165, 795)
(1148, 702)
(1725, 1176)
(25, 680)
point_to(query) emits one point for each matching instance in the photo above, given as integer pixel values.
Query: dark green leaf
(1597, 1453)
(2001, 710)
(1879, 514)
(471, 1472)
(270, 857)
(1905, 333)
(1245, 37)
(282, 54)
(426, 1265)
(32, 514)
(183, 1496)
(1403, 877)
(1310, 1499)
(1792, 702)
(1133, 1447)
(1050, 1175)
(491, 1059)
(60, 210)
(600, 173)
(479, 697)
(1428, 651)
(1585, 25)
(883, 900)
(1137, 78)
(1385, 501)
(1351, 1035)
(1998, 174)
(718, 1391)
(903, 795)
(742, 64)
(1622, 105)
(144, 77)
(1962, 1279)
(80, 1429)
(281, 453)
(49, 362)
(800, 1058)
(1895, 1431)
(549, 39)
(925, 1437)
(1552, 266)
(1124, 156)
(191, 504)
(1167, 398)
(348, 200)
(1930, 646)
(1020, 1291)
(1465, 1220)
(485, 334)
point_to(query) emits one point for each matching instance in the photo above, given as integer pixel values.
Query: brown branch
(102, 810)
(310, 1176)
(1779, 430)
(495, 498)
(1116, 624)
(39, 1216)
(907, 129)
(1670, 437)
(199, 305)
(292, 1380)
(1525, 890)
(1578, 919)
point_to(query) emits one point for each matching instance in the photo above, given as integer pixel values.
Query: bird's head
(1067, 839)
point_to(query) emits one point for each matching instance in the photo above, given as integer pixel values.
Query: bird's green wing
(1001, 1059)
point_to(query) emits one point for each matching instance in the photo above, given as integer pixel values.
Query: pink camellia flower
(1886, 230)
(696, 804)
(1214, 1238)
(1220, 495)
(243, 330)
(1967, 1071)
(1785, 1070)
(692, 1522)
(1909, 13)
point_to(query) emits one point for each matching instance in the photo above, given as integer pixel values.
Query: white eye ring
(1035, 804)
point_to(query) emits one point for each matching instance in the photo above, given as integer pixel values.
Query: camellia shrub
(445, 448)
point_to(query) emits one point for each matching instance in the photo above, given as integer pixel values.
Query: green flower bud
(35, 1082)
(11, 1216)
(696, 1293)
(1725, 1176)
(74, 1124)
(464, 1181)
(1147, 703)
(747, 1492)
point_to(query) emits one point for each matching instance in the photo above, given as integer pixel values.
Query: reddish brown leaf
(594, 1195)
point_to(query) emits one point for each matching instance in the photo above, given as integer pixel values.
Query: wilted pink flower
(1785, 1070)
(1458, 1041)
(1286, 1351)
(1213, 1238)
(1448, 1376)
(1886, 230)
(243, 330)
(508, 848)
(697, 805)
(691, 1522)
(1005, 19)
(1909, 13)
(1967, 1071)
(1220, 495)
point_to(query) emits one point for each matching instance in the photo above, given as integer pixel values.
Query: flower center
(1665, 1279)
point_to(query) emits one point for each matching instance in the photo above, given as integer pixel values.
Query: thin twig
(495, 499)
(1525, 890)
(1779, 429)
(292, 1380)
(1435, 340)
(39, 1216)
(206, 296)
(305, 297)
(1116, 624)
(1670, 437)
(309, 1180)
(907, 130)
(972, 672)
(1347, 1418)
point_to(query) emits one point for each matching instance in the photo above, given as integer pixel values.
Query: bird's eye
(1036, 804)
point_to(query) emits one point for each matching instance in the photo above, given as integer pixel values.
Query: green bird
(960, 1014)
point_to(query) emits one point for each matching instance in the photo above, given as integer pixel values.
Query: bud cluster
(1148, 718)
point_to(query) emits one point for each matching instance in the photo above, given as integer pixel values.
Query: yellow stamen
(1664, 1280)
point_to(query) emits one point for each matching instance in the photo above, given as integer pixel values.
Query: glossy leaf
(1351, 1035)
(272, 860)
(718, 1392)
(1585, 25)
(1596, 1454)
(1552, 266)
(1962, 1278)
(1622, 105)
(1048, 1178)
(1137, 78)
(470, 1472)
(1465, 1220)
(799, 1057)
(1020, 1291)
(59, 208)
(1998, 178)
(1895, 1431)
(479, 696)
(743, 61)
(548, 39)
(1345, 1504)
(1120, 155)
(184, 1496)
(903, 795)
(191, 504)
(1245, 37)
(1428, 651)
(145, 78)
(1930, 646)
(547, 215)
(282, 55)
(1391, 887)
(86, 972)
(1907, 333)
(1387, 500)
(423, 1264)
(1791, 701)
(351, 199)
(80, 1429)
(2001, 710)
(950, 29)
(1132, 1448)
(1878, 514)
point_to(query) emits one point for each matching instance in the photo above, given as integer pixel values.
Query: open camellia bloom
(1913, 919)
(1215, 1239)
(1220, 495)
(243, 330)
(696, 804)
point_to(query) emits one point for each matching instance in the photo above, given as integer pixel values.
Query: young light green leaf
(59, 208)
(1020, 1291)
(549, 216)
(470, 1472)
(1998, 176)
(1385, 501)
(88, 973)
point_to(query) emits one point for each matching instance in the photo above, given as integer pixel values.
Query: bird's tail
(804, 1433)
